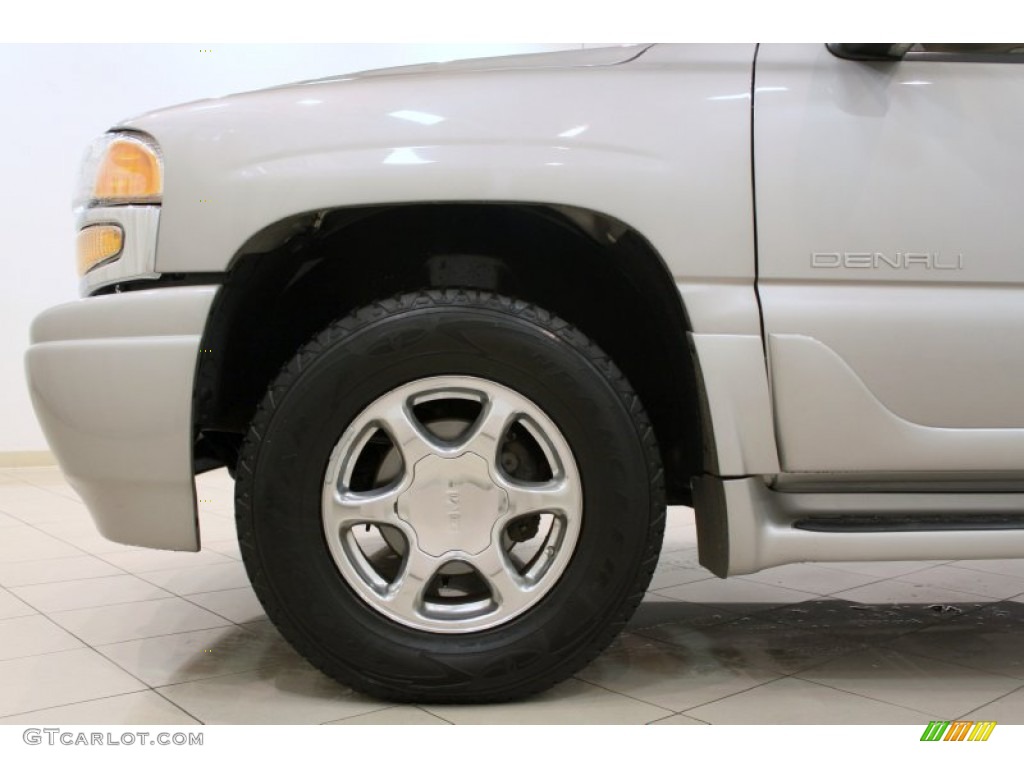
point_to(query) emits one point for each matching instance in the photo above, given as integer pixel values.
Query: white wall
(57, 98)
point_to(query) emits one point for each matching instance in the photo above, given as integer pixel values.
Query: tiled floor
(95, 632)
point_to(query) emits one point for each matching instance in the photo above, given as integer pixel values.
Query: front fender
(661, 143)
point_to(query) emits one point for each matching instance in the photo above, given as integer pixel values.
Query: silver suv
(460, 332)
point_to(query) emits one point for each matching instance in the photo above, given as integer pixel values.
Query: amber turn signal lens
(97, 244)
(130, 170)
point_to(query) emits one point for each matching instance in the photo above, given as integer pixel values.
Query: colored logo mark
(958, 730)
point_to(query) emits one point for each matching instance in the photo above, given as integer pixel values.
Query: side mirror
(870, 51)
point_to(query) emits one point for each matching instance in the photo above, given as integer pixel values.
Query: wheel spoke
(405, 596)
(553, 495)
(485, 437)
(406, 433)
(350, 508)
(507, 588)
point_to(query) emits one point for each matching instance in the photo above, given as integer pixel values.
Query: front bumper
(111, 381)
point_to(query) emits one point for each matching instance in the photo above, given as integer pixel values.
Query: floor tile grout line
(732, 619)
(148, 550)
(898, 579)
(9, 509)
(863, 586)
(723, 697)
(299, 664)
(887, 645)
(65, 629)
(959, 565)
(18, 599)
(178, 706)
(61, 557)
(873, 581)
(188, 568)
(342, 720)
(877, 580)
(930, 564)
(990, 703)
(215, 676)
(620, 693)
(749, 581)
(424, 709)
(106, 605)
(48, 653)
(210, 610)
(214, 592)
(793, 676)
(229, 625)
(68, 581)
(60, 489)
(674, 586)
(75, 497)
(864, 696)
(677, 714)
(170, 596)
(383, 708)
(963, 592)
(84, 701)
(93, 579)
(96, 646)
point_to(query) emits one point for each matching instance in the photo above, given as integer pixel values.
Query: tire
(451, 497)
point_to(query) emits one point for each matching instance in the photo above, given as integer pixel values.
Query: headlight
(121, 169)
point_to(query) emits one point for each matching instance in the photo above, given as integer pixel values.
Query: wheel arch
(297, 275)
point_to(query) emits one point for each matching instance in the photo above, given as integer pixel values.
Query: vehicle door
(890, 231)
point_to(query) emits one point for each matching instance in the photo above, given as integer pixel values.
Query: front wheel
(450, 496)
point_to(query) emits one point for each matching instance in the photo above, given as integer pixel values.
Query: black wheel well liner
(296, 276)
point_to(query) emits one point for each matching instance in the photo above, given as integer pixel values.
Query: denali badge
(897, 260)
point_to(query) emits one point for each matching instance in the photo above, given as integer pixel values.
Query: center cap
(452, 504)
